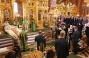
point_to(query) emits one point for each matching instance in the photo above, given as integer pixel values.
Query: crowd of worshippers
(76, 30)
(68, 23)
(72, 20)
(67, 34)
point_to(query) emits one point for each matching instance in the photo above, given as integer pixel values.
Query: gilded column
(24, 9)
(78, 6)
(36, 11)
(13, 13)
(42, 19)
(0, 17)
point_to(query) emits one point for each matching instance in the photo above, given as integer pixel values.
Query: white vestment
(12, 31)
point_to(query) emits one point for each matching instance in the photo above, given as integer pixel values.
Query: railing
(7, 42)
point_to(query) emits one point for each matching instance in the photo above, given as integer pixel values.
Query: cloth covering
(12, 31)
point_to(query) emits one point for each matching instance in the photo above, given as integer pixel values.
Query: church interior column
(24, 9)
(13, 1)
(1, 21)
(36, 12)
(42, 19)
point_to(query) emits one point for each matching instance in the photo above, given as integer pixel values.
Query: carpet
(73, 56)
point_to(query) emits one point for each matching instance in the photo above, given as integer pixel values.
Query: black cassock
(62, 49)
(80, 27)
(75, 38)
(87, 34)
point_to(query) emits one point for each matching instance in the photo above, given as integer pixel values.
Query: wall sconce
(18, 15)
(77, 14)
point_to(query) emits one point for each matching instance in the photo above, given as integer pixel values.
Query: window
(15, 7)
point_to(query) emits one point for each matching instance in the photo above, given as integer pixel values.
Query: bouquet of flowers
(36, 54)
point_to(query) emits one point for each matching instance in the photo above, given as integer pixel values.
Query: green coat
(33, 25)
(25, 24)
(54, 22)
(16, 23)
(23, 39)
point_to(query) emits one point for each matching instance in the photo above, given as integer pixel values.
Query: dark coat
(61, 46)
(57, 33)
(71, 21)
(17, 48)
(67, 21)
(75, 21)
(40, 39)
(87, 31)
(76, 36)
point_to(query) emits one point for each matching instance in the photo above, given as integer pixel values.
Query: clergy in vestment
(25, 24)
(33, 25)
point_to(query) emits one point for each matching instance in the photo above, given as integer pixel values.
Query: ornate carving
(2, 0)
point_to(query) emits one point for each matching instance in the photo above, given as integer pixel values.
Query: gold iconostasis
(39, 10)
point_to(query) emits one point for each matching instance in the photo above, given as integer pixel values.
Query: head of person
(75, 28)
(64, 27)
(62, 34)
(40, 32)
(57, 25)
(87, 28)
(50, 54)
(7, 18)
(10, 55)
(70, 26)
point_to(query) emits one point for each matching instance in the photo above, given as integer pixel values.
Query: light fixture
(77, 14)
(18, 15)
(87, 15)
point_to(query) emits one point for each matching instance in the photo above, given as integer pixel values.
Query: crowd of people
(74, 28)
(68, 33)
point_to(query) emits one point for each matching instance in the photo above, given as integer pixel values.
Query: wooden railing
(6, 42)
(31, 38)
(46, 34)
(6, 45)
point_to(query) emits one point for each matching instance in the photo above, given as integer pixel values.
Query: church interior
(21, 21)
